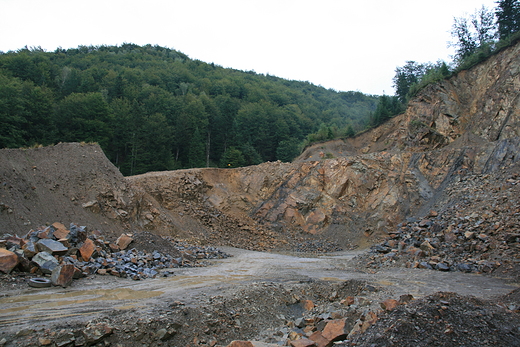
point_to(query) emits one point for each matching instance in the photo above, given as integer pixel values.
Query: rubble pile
(227, 230)
(66, 254)
(479, 232)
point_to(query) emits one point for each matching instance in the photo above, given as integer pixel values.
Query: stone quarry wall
(468, 124)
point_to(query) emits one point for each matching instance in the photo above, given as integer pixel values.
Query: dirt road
(32, 308)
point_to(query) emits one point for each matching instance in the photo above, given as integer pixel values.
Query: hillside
(153, 108)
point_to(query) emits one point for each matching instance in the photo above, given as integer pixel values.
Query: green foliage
(232, 157)
(387, 107)
(153, 108)
(288, 150)
(432, 73)
(405, 77)
(474, 32)
(508, 18)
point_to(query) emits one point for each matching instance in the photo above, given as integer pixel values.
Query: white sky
(339, 44)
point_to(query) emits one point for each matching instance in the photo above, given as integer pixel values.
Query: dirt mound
(69, 182)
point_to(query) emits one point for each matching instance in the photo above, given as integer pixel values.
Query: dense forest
(153, 108)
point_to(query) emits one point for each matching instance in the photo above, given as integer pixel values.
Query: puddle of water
(385, 283)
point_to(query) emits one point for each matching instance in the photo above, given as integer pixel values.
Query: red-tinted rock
(8, 260)
(303, 343)
(123, 241)
(319, 340)
(87, 249)
(307, 304)
(60, 231)
(336, 330)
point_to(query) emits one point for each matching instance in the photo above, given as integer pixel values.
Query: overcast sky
(339, 44)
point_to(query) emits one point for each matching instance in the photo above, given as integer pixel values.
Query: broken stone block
(337, 329)
(60, 231)
(319, 340)
(29, 249)
(24, 264)
(14, 241)
(303, 343)
(45, 261)
(8, 260)
(63, 275)
(87, 249)
(123, 241)
(65, 339)
(51, 246)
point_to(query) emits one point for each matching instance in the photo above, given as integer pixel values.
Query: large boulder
(8, 260)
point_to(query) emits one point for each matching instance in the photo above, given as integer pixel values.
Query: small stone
(405, 298)
(349, 300)
(65, 339)
(94, 334)
(163, 334)
(442, 267)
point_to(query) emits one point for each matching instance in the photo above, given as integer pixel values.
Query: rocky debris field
(476, 228)
(68, 254)
(313, 313)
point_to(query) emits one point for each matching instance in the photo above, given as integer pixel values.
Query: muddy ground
(259, 296)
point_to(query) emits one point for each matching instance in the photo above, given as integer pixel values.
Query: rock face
(466, 125)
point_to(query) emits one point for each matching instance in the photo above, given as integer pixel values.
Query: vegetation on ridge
(153, 108)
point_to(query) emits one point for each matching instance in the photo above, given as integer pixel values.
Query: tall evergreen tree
(508, 17)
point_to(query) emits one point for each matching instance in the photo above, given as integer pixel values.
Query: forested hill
(153, 108)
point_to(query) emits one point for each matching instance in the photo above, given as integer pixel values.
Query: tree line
(153, 108)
